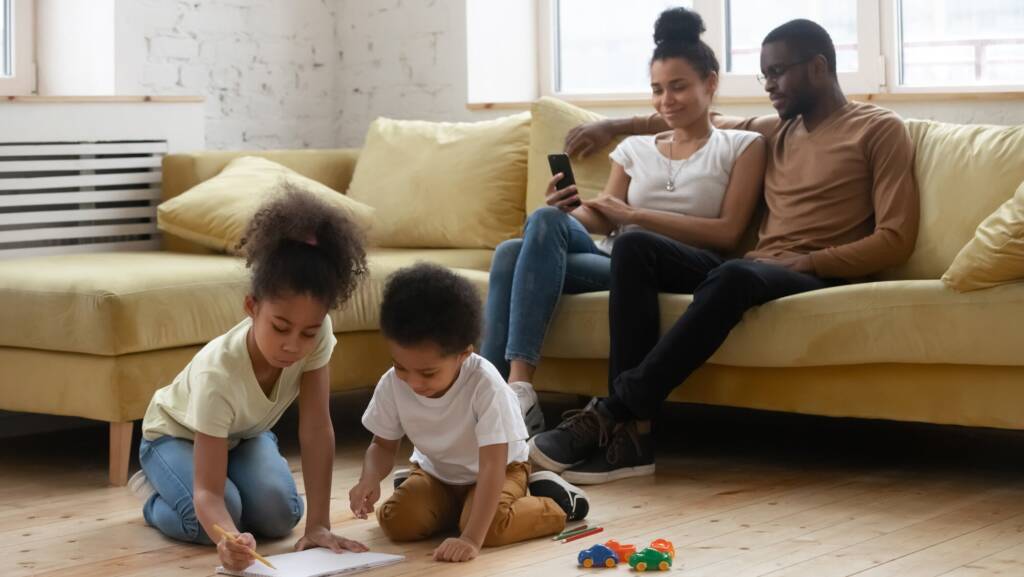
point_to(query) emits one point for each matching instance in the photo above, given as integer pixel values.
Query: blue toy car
(598, 555)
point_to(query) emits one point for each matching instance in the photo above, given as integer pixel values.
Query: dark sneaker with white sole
(570, 498)
(574, 440)
(630, 453)
(400, 476)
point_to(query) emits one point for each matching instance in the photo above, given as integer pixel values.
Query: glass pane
(5, 38)
(751, 20)
(604, 46)
(962, 42)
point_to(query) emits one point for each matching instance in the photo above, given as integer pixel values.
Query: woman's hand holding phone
(565, 199)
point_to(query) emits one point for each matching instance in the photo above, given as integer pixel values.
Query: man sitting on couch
(842, 204)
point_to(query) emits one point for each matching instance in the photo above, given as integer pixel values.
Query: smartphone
(560, 163)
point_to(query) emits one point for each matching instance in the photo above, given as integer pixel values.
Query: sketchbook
(316, 563)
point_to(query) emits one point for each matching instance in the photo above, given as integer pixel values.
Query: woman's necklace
(670, 184)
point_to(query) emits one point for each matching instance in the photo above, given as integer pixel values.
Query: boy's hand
(322, 537)
(362, 497)
(237, 556)
(456, 550)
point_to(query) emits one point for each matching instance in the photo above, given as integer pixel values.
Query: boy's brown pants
(423, 505)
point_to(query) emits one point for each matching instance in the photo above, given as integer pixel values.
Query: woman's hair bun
(678, 25)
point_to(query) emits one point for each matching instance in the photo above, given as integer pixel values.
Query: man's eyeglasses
(776, 71)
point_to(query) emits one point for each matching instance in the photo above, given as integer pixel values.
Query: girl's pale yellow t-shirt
(217, 393)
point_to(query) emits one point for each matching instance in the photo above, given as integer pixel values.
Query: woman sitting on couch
(695, 184)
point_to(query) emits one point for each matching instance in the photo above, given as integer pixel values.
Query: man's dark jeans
(644, 369)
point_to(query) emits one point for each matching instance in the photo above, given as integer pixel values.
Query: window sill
(32, 99)
(742, 100)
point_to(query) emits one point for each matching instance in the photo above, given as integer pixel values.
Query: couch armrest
(333, 167)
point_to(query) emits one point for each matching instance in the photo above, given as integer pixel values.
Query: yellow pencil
(222, 533)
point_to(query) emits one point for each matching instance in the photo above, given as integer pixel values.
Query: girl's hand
(456, 550)
(566, 199)
(236, 556)
(362, 497)
(322, 537)
(615, 210)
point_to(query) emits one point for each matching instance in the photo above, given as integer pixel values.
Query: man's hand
(456, 550)
(588, 138)
(322, 537)
(362, 497)
(800, 263)
(615, 210)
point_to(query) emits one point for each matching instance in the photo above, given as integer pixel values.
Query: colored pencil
(222, 533)
(570, 532)
(586, 533)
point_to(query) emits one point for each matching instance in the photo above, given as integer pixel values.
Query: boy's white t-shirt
(217, 393)
(700, 180)
(447, 432)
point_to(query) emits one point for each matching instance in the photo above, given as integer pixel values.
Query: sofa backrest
(333, 167)
(963, 173)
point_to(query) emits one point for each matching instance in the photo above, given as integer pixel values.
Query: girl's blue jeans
(259, 492)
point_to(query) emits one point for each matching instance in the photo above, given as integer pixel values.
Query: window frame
(878, 42)
(24, 79)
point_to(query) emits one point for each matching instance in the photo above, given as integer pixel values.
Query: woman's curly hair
(299, 244)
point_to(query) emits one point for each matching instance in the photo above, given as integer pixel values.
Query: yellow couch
(93, 335)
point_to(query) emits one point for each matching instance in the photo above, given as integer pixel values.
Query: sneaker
(529, 404)
(140, 486)
(400, 476)
(569, 497)
(574, 440)
(630, 453)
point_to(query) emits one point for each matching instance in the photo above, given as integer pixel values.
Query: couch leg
(120, 452)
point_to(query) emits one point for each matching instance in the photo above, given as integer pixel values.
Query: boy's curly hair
(297, 243)
(427, 303)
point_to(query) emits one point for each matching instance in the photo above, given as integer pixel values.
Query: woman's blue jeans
(556, 255)
(259, 493)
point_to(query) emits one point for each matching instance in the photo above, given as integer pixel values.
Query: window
(749, 21)
(592, 57)
(599, 49)
(6, 68)
(960, 43)
(17, 71)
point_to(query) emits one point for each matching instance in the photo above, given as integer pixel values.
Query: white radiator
(61, 197)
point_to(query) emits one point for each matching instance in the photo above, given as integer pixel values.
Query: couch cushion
(443, 184)
(883, 322)
(119, 303)
(963, 172)
(552, 121)
(996, 253)
(215, 212)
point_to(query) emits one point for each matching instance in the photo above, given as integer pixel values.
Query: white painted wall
(266, 67)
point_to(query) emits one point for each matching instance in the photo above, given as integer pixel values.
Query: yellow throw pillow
(996, 253)
(552, 121)
(963, 173)
(215, 212)
(443, 184)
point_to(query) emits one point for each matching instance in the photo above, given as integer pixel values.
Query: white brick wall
(266, 67)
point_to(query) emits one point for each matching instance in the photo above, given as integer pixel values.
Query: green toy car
(650, 560)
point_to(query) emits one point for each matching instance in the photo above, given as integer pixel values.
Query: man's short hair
(808, 39)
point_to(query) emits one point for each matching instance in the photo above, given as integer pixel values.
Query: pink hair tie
(310, 240)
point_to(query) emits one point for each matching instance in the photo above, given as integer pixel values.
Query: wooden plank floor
(741, 494)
